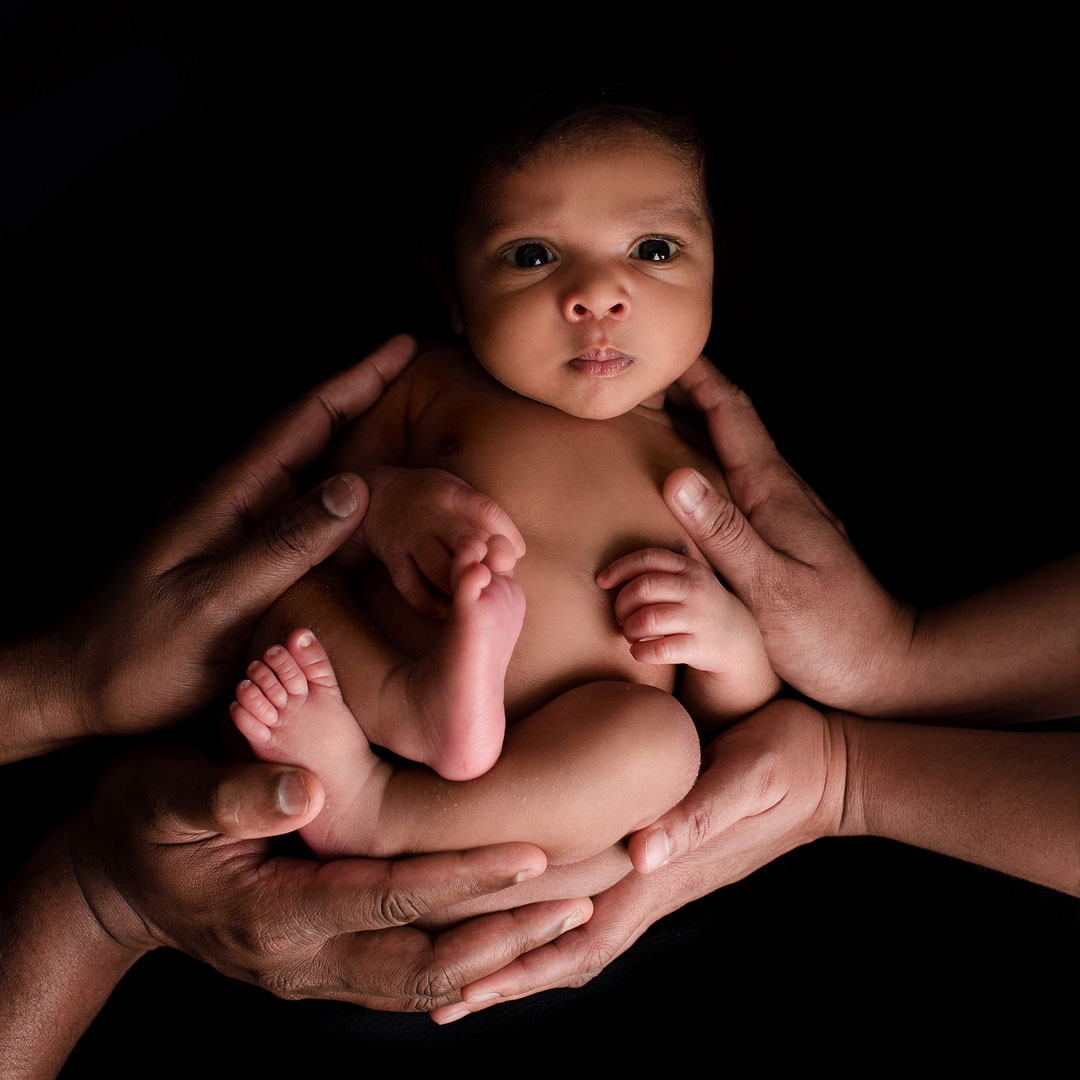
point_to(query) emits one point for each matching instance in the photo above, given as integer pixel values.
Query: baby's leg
(575, 777)
(455, 719)
(444, 709)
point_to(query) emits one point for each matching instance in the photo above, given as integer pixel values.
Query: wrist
(837, 813)
(850, 792)
(38, 698)
(58, 962)
(884, 677)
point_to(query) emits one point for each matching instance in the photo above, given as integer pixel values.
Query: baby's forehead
(599, 160)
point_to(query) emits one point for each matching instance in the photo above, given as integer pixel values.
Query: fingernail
(475, 1000)
(523, 875)
(688, 494)
(339, 498)
(571, 921)
(657, 849)
(452, 1015)
(292, 794)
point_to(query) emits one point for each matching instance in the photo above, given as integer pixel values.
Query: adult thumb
(257, 800)
(184, 796)
(721, 797)
(290, 543)
(719, 528)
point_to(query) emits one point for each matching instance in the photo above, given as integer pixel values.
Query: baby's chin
(603, 405)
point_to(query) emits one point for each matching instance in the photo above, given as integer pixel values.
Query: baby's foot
(455, 693)
(291, 711)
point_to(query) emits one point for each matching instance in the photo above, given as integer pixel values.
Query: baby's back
(582, 493)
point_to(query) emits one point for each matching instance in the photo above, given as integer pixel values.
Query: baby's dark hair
(504, 134)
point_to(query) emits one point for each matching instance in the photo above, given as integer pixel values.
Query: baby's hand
(417, 518)
(673, 610)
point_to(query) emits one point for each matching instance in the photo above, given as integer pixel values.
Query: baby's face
(584, 279)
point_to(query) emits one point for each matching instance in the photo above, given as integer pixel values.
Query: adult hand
(770, 783)
(173, 852)
(830, 629)
(166, 633)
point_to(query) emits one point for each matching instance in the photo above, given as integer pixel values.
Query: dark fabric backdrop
(203, 210)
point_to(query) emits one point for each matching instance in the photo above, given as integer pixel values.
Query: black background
(204, 211)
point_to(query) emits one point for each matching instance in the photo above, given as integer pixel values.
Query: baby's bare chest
(582, 493)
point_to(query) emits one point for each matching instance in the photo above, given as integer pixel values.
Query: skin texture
(832, 631)
(173, 852)
(791, 773)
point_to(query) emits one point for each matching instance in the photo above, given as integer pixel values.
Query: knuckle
(286, 538)
(488, 512)
(318, 400)
(597, 956)
(397, 908)
(698, 828)
(432, 986)
(740, 398)
(722, 524)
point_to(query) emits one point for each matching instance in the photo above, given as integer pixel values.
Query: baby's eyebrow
(647, 217)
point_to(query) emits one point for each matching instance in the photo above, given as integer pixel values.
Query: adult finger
(728, 790)
(752, 465)
(262, 476)
(182, 796)
(373, 894)
(620, 916)
(411, 971)
(282, 549)
(722, 532)
(292, 440)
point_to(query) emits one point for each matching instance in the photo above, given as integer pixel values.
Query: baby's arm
(673, 610)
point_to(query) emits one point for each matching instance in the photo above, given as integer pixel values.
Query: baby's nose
(596, 296)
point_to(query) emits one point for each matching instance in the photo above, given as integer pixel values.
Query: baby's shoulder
(438, 365)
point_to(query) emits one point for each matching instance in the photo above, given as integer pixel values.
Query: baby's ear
(441, 274)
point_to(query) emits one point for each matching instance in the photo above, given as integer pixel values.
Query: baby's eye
(531, 254)
(654, 249)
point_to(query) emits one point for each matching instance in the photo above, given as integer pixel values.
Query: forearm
(1002, 799)
(37, 699)
(1007, 655)
(57, 964)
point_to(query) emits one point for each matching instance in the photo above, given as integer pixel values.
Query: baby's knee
(651, 746)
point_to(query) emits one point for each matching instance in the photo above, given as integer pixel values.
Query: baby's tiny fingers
(501, 556)
(411, 588)
(640, 562)
(656, 620)
(433, 560)
(486, 516)
(650, 589)
(673, 649)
